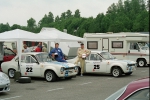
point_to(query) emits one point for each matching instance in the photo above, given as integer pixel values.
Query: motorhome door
(105, 44)
(133, 51)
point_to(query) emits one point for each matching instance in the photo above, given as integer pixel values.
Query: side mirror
(114, 57)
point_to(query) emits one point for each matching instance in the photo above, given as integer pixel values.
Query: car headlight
(75, 68)
(62, 69)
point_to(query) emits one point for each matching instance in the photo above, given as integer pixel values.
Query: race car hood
(124, 61)
(61, 64)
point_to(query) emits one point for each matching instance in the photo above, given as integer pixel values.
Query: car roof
(136, 85)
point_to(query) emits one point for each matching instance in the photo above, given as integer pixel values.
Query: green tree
(31, 23)
(68, 14)
(15, 26)
(4, 27)
(77, 13)
(57, 19)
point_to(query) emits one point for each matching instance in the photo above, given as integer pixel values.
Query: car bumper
(130, 69)
(68, 74)
(5, 87)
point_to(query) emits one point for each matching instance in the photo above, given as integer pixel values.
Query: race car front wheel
(116, 72)
(50, 76)
(11, 73)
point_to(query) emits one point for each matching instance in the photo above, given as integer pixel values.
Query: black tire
(24, 80)
(50, 76)
(116, 72)
(128, 73)
(11, 73)
(141, 62)
(79, 71)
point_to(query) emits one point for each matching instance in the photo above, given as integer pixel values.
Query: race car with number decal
(39, 64)
(100, 62)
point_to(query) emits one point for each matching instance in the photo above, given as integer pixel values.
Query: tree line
(127, 16)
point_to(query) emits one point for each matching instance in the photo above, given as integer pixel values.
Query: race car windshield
(106, 55)
(43, 57)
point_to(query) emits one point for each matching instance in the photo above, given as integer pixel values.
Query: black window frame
(93, 42)
(116, 41)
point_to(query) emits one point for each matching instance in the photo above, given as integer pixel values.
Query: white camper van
(130, 46)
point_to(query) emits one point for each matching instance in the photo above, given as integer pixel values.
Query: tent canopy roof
(61, 36)
(18, 34)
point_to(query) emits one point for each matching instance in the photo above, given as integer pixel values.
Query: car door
(30, 67)
(8, 55)
(93, 64)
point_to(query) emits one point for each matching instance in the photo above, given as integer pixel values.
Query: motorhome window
(134, 46)
(143, 45)
(92, 44)
(117, 44)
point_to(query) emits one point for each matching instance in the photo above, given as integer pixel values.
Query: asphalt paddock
(87, 87)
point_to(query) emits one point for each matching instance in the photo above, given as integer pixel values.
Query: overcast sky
(19, 11)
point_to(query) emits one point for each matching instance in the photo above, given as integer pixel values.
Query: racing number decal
(29, 69)
(96, 66)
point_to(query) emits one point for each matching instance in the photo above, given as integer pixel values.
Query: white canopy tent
(20, 36)
(60, 36)
(68, 43)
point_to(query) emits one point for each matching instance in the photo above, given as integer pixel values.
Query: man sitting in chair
(57, 53)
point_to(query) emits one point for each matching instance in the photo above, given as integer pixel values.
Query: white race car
(39, 64)
(99, 62)
(4, 82)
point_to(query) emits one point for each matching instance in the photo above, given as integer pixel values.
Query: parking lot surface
(87, 87)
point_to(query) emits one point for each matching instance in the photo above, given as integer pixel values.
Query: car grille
(6, 88)
(131, 64)
(69, 68)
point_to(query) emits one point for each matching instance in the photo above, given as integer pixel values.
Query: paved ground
(88, 87)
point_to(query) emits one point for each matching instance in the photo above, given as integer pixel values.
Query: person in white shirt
(26, 49)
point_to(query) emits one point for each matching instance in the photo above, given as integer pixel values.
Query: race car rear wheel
(128, 73)
(116, 72)
(50, 76)
(11, 73)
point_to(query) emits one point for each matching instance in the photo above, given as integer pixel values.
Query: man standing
(82, 54)
(44, 49)
(57, 53)
(26, 49)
